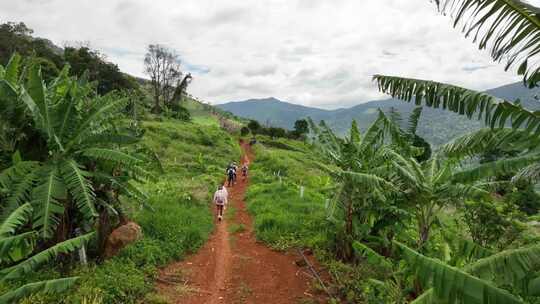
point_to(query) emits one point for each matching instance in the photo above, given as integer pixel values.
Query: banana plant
(441, 182)
(71, 158)
(360, 170)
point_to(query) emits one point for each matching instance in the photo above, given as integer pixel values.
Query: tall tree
(162, 65)
(301, 128)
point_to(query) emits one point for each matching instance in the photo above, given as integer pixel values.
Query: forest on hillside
(87, 151)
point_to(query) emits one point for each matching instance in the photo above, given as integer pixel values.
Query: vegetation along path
(232, 267)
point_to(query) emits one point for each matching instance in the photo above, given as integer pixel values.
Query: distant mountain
(437, 126)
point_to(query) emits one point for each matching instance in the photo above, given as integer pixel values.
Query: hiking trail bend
(232, 267)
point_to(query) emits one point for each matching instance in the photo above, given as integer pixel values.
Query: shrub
(180, 112)
(526, 199)
(244, 131)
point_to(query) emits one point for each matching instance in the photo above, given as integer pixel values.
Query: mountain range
(436, 126)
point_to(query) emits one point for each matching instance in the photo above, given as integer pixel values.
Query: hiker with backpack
(220, 199)
(244, 171)
(231, 173)
(235, 168)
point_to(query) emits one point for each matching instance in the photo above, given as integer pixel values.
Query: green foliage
(179, 112)
(524, 198)
(17, 37)
(496, 112)
(254, 126)
(244, 131)
(451, 284)
(301, 128)
(106, 74)
(283, 219)
(366, 195)
(178, 221)
(486, 223)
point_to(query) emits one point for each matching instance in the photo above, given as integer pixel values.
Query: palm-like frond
(452, 285)
(100, 112)
(14, 248)
(47, 287)
(12, 71)
(12, 175)
(47, 208)
(414, 119)
(75, 178)
(511, 28)
(36, 91)
(530, 173)
(21, 188)
(470, 250)
(463, 191)
(480, 141)
(425, 298)
(17, 218)
(490, 169)
(368, 181)
(371, 256)
(44, 256)
(509, 266)
(494, 111)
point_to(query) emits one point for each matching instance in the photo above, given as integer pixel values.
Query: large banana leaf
(75, 178)
(45, 199)
(480, 141)
(19, 270)
(17, 218)
(510, 28)
(496, 112)
(12, 70)
(508, 266)
(100, 112)
(503, 166)
(48, 287)
(452, 285)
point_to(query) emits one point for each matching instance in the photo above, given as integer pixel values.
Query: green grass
(236, 228)
(283, 219)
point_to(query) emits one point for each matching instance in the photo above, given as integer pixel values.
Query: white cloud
(313, 52)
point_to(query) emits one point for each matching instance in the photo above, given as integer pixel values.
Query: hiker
(220, 199)
(235, 168)
(230, 176)
(245, 171)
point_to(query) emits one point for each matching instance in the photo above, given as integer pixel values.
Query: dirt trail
(233, 268)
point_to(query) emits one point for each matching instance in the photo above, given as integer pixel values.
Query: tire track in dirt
(233, 267)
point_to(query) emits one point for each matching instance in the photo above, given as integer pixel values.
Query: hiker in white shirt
(220, 199)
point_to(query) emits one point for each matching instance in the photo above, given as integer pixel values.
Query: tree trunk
(104, 230)
(156, 109)
(423, 235)
(348, 237)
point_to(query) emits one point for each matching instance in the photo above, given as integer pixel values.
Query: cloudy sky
(314, 52)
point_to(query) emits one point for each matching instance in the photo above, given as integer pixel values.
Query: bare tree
(163, 66)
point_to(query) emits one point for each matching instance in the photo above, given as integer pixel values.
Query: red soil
(235, 268)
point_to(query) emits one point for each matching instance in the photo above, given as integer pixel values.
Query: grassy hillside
(193, 156)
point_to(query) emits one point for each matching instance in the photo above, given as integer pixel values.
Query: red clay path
(233, 268)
